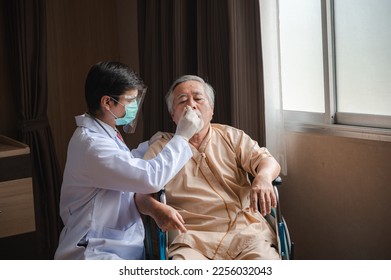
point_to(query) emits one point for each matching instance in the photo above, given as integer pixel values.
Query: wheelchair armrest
(277, 181)
(162, 196)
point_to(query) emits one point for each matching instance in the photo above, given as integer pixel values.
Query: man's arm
(166, 217)
(262, 191)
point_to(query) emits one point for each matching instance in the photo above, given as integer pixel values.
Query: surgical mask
(130, 113)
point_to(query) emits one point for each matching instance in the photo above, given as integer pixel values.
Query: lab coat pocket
(117, 233)
(126, 243)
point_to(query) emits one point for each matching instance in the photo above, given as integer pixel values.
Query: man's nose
(192, 103)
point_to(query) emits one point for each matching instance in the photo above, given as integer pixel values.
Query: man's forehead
(189, 87)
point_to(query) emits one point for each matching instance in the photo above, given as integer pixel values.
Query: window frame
(332, 122)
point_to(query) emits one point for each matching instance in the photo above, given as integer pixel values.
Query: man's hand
(262, 195)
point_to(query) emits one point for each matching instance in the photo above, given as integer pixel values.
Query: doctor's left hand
(169, 219)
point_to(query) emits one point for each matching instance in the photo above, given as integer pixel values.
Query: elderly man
(211, 203)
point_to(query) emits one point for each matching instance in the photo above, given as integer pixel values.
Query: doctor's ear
(105, 101)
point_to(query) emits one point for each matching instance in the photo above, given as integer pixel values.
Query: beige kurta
(212, 193)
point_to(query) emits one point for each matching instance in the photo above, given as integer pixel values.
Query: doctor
(101, 175)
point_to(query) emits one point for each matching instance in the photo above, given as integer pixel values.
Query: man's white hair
(207, 87)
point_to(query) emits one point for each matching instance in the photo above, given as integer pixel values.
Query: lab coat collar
(91, 123)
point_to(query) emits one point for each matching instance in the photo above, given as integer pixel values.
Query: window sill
(358, 132)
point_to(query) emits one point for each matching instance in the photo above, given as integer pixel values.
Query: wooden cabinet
(16, 188)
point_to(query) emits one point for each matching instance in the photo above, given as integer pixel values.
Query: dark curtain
(27, 43)
(218, 40)
(246, 70)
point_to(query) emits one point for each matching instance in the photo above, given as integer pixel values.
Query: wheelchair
(156, 238)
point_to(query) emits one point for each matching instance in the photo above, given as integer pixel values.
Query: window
(301, 56)
(335, 62)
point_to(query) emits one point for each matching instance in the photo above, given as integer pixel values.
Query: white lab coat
(100, 178)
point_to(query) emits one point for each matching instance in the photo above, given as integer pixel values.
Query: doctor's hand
(189, 124)
(169, 219)
(155, 137)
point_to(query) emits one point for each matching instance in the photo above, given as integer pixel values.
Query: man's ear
(172, 117)
(105, 102)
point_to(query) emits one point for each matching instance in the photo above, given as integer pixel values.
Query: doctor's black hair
(109, 78)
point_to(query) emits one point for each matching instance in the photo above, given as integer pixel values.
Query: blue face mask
(130, 113)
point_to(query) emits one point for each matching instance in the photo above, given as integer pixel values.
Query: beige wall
(336, 197)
